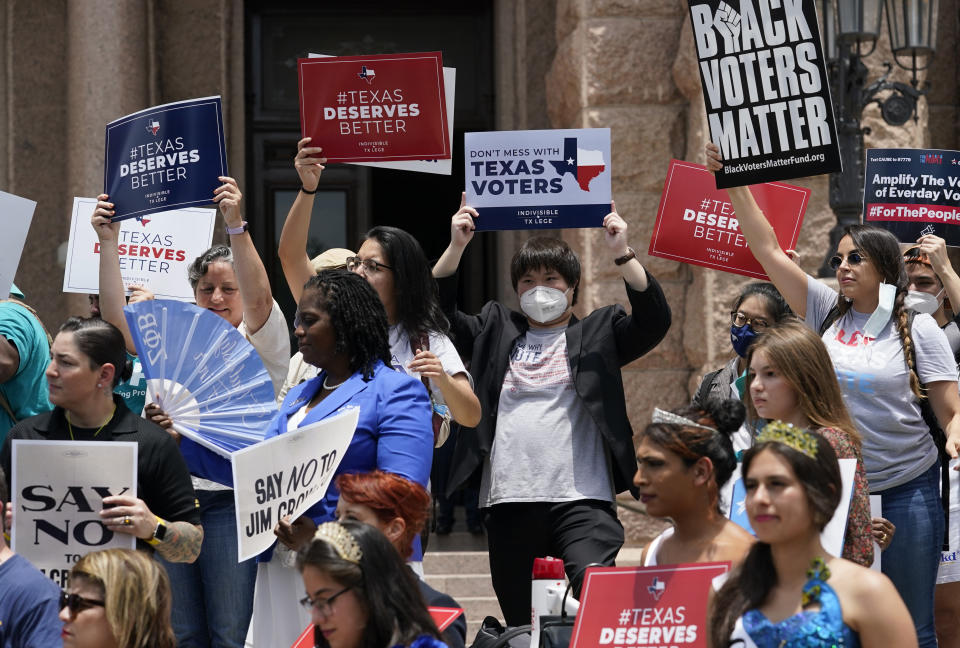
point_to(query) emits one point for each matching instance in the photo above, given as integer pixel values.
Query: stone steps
(464, 574)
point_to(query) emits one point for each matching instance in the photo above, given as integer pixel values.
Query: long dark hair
(381, 580)
(357, 316)
(692, 443)
(772, 299)
(749, 584)
(415, 289)
(102, 343)
(883, 250)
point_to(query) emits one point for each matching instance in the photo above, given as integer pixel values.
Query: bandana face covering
(544, 304)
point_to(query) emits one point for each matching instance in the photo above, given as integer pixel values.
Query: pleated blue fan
(203, 373)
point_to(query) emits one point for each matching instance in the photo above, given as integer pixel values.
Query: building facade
(70, 66)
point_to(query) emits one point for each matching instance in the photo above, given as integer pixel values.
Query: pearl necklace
(332, 387)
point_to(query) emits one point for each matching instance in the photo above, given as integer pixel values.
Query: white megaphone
(546, 594)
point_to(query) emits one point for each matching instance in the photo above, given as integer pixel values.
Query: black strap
(704, 389)
(832, 317)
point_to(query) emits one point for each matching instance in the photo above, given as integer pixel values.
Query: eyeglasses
(369, 265)
(77, 604)
(853, 259)
(756, 323)
(323, 606)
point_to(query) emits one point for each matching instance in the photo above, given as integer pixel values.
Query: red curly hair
(390, 496)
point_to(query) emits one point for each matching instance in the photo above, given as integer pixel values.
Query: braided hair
(883, 250)
(357, 315)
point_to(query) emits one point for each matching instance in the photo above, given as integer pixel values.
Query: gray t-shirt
(875, 382)
(546, 447)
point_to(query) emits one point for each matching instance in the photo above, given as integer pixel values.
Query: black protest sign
(765, 89)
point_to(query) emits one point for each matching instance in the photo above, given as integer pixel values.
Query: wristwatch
(631, 254)
(159, 533)
(238, 230)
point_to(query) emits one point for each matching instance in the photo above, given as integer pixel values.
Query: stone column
(36, 143)
(109, 76)
(612, 69)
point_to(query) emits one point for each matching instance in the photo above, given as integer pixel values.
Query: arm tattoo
(182, 543)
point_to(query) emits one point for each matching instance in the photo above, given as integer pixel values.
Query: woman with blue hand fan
(341, 328)
(213, 599)
(87, 361)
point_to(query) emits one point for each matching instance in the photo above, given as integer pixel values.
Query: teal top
(134, 391)
(26, 392)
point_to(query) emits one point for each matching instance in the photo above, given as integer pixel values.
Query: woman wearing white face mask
(932, 282)
(554, 444)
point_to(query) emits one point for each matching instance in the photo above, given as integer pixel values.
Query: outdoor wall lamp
(850, 32)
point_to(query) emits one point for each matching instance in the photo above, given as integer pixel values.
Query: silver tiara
(662, 416)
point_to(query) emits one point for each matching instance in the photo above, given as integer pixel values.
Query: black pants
(580, 532)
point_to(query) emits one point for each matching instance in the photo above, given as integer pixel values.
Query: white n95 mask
(922, 302)
(544, 304)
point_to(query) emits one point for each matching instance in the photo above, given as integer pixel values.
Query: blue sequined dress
(823, 628)
(424, 641)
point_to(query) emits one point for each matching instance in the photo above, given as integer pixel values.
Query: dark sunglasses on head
(76, 603)
(853, 259)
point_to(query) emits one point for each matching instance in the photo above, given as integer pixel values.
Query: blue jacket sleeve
(405, 445)
(206, 463)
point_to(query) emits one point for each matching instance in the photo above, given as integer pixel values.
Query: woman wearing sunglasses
(117, 599)
(884, 368)
(360, 593)
(393, 262)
